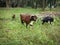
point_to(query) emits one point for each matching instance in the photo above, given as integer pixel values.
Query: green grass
(14, 33)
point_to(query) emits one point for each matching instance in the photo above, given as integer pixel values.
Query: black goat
(47, 19)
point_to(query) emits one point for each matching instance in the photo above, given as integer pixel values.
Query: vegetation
(12, 32)
(30, 3)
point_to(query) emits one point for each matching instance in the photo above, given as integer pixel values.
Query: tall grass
(14, 33)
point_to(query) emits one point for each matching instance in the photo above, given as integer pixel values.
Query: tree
(7, 3)
(43, 5)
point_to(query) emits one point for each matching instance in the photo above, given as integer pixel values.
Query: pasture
(12, 32)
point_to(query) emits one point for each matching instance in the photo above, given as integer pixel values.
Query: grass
(14, 33)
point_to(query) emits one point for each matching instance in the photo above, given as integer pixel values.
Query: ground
(12, 32)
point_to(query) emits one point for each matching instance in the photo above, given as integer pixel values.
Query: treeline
(30, 3)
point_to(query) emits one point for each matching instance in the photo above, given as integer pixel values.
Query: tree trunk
(7, 3)
(43, 5)
(50, 5)
(57, 3)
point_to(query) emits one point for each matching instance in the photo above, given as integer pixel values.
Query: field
(12, 32)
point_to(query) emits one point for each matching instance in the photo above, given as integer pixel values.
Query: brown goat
(25, 18)
(13, 17)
